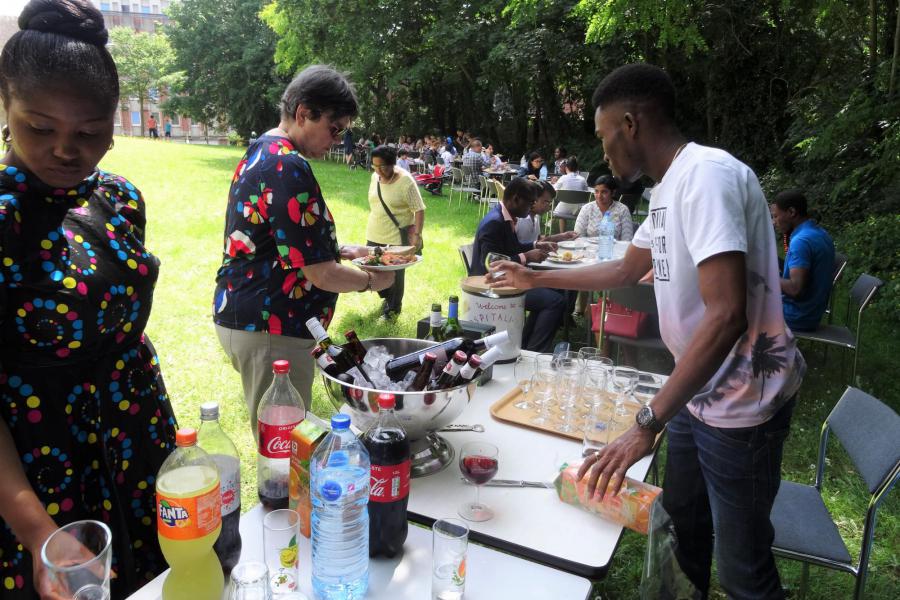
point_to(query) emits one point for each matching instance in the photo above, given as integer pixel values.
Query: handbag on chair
(620, 321)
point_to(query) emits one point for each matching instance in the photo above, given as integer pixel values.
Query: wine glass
(624, 380)
(569, 373)
(492, 257)
(478, 464)
(523, 370)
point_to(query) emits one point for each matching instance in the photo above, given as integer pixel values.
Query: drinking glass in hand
(478, 464)
(489, 277)
(78, 557)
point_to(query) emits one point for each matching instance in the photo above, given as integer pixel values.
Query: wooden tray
(504, 410)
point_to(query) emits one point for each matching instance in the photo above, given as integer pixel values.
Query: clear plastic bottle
(213, 439)
(280, 410)
(339, 474)
(189, 519)
(606, 239)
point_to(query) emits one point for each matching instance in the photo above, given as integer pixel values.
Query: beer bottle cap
(386, 401)
(186, 436)
(281, 366)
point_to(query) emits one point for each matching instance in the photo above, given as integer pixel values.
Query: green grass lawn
(186, 188)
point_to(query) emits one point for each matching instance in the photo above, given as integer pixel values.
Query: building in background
(149, 16)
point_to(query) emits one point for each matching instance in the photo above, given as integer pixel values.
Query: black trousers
(392, 296)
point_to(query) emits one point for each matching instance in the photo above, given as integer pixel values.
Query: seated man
(528, 230)
(571, 178)
(403, 160)
(473, 163)
(497, 233)
(808, 265)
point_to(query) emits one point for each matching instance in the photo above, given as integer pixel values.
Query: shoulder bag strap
(385, 206)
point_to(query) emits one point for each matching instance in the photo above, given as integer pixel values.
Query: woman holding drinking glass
(281, 260)
(86, 421)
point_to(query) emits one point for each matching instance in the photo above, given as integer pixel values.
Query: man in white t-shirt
(729, 400)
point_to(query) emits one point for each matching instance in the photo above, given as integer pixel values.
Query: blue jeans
(722, 482)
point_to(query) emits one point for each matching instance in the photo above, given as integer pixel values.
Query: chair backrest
(500, 188)
(864, 289)
(584, 174)
(573, 197)
(465, 253)
(869, 431)
(470, 177)
(457, 176)
(840, 264)
(639, 297)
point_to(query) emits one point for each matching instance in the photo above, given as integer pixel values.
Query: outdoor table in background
(529, 522)
(490, 575)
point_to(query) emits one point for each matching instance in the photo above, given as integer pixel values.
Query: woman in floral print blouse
(281, 260)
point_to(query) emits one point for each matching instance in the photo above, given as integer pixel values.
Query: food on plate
(380, 258)
(567, 255)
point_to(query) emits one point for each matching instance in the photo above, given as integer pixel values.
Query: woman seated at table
(588, 222)
(534, 169)
(491, 160)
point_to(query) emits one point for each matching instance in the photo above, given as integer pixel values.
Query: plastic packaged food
(629, 508)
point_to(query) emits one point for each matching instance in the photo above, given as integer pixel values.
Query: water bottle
(339, 473)
(213, 439)
(606, 240)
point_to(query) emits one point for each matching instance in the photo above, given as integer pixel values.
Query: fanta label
(188, 518)
(275, 440)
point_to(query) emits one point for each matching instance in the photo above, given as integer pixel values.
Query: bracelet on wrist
(368, 287)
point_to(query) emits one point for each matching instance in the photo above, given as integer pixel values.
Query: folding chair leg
(804, 580)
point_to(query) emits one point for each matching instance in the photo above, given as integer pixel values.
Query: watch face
(644, 417)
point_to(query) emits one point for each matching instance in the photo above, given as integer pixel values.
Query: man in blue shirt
(808, 265)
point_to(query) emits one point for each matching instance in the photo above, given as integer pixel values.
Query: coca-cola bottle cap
(186, 436)
(281, 366)
(386, 401)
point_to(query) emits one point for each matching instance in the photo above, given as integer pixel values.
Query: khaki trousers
(252, 353)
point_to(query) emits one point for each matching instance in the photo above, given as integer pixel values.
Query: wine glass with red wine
(478, 464)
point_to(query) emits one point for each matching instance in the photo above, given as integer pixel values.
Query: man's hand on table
(548, 246)
(607, 468)
(510, 274)
(536, 255)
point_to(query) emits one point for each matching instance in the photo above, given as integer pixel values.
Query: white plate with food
(572, 244)
(388, 261)
(566, 257)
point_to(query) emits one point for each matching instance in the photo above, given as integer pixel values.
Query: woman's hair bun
(72, 18)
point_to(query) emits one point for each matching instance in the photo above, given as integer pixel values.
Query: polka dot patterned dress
(80, 385)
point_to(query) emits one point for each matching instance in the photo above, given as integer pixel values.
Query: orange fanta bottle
(188, 520)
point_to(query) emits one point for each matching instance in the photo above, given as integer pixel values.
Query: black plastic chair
(840, 265)
(642, 298)
(465, 253)
(861, 295)
(804, 530)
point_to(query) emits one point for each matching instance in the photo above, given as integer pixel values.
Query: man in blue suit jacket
(497, 233)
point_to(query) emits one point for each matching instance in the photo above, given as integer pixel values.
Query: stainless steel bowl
(421, 413)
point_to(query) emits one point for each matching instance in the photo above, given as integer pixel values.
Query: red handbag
(620, 321)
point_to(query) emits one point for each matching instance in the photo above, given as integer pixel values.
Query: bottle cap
(435, 307)
(386, 401)
(454, 299)
(186, 436)
(340, 422)
(209, 411)
(475, 361)
(459, 356)
(430, 356)
(315, 352)
(281, 366)
(350, 333)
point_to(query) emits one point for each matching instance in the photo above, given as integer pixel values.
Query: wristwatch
(647, 420)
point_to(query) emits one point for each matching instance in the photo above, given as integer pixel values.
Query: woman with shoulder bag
(396, 217)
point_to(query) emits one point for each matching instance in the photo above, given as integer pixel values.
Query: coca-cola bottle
(280, 410)
(389, 453)
(212, 438)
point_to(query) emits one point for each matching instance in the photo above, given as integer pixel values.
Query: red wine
(397, 367)
(478, 469)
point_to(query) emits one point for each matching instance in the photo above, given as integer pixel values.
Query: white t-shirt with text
(709, 203)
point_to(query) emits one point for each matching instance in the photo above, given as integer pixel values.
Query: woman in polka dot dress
(86, 419)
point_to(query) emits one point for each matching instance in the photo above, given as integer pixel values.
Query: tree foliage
(143, 60)
(224, 53)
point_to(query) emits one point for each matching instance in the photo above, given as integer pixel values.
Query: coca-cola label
(229, 482)
(275, 440)
(389, 483)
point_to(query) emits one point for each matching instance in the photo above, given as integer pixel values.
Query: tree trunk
(896, 57)
(141, 104)
(873, 36)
